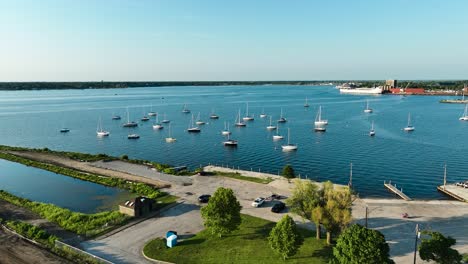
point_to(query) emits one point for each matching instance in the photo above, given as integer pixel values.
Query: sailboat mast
(288, 135)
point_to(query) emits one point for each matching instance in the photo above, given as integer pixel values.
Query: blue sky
(116, 40)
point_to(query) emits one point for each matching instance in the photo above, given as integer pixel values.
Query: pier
(456, 192)
(395, 190)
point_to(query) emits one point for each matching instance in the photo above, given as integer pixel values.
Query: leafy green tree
(335, 212)
(222, 214)
(285, 238)
(305, 197)
(438, 248)
(359, 245)
(288, 172)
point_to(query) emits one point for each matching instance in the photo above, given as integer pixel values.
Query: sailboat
(165, 121)
(133, 136)
(239, 122)
(409, 127)
(129, 123)
(281, 119)
(116, 117)
(306, 103)
(368, 110)
(213, 115)
(289, 146)
(226, 129)
(318, 119)
(157, 125)
(64, 130)
(170, 139)
(320, 128)
(151, 113)
(464, 117)
(247, 117)
(230, 142)
(263, 115)
(99, 131)
(185, 110)
(192, 128)
(277, 136)
(199, 121)
(372, 131)
(271, 127)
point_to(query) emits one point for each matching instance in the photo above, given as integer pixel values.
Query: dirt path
(14, 250)
(85, 167)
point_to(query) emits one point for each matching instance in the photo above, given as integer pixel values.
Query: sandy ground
(86, 167)
(448, 217)
(14, 250)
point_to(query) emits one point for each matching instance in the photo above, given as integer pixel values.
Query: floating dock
(395, 190)
(456, 192)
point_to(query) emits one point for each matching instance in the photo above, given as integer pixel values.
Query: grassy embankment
(238, 176)
(46, 240)
(248, 244)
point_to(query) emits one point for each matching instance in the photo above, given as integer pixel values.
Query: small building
(137, 207)
(389, 85)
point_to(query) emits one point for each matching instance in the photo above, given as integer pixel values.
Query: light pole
(416, 243)
(366, 214)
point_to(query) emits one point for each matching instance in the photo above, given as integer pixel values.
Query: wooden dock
(458, 193)
(394, 190)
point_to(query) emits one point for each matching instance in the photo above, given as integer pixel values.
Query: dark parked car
(278, 207)
(204, 198)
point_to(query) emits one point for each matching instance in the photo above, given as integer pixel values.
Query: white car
(258, 202)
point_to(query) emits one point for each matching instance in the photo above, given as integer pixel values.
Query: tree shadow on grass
(260, 232)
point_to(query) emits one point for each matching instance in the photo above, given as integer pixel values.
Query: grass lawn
(249, 244)
(236, 175)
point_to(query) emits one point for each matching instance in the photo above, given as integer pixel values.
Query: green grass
(247, 245)
(236, 175)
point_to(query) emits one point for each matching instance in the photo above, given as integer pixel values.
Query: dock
(395, 190)
(456, 192)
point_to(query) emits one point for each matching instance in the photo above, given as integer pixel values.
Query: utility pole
(416, 243)
(366, 214)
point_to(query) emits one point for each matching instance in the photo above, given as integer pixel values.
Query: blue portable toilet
(171, 239)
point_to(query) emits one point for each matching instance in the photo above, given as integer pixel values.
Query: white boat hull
(277, 137)
(271, 127)
(376, 90)
(158, 127)
(367, 110)
(289, 147)
(225, 133)
(409, 128)
(170, 139)
(463, 118)
(263, 116)
(321, 123)
(102, 133)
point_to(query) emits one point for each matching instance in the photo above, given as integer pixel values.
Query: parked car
(278, 207)
(258, 202)
(204, 198)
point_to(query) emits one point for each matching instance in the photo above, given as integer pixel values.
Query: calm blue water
(412, 160)
(44, 186)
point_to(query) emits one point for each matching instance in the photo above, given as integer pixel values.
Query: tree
(285, 237)
(359, 245)
(222, 214)
(335, 212)
(288, 172)
(438, 248)
(305, 197)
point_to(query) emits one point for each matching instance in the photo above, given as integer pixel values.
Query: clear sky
(164, 40)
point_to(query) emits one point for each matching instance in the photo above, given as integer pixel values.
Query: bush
(288, 172)
(124, 157)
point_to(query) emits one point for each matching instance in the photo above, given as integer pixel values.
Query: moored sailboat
(129, 123)
(192, 128)
(372, 131)
(239, 122)
(318, 119)
(367, 109)
(282, 119)
(170, 139)
(464, 117)
(247, 117)
(156, 124)
(271, 127)
(409, 127)
(289, 146)
(101, 132)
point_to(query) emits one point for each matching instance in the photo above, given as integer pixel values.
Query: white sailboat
(263, 115)
(320, 128)
(157, 125)
(199, 121)
(213, 115)
(170, 139)
(464, 117)
(101, 132)
(165, 120)
(192, 128)
(277, 136)
(133, 136)
(306, 103)
(409, 127)
(226, 129)
(185, 110)
(129, 123)
(368, 110)
(247, 117)
(289, 146)
(318, 119)
(372, 131)
(271, 127)
(230, 142)
(282, 119)
(151, 113)
(239, 122)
